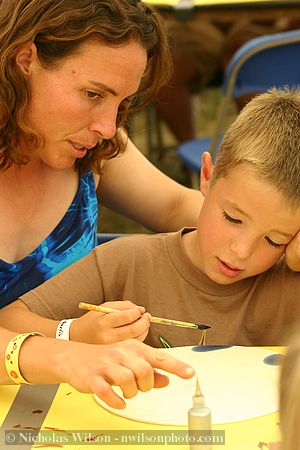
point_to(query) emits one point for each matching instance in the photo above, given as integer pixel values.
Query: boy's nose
(242, 248)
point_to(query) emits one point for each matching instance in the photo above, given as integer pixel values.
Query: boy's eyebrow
(287, 235)
(238, 209)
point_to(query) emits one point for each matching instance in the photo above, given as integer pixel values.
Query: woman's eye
(231, 219)
(92, 95)
(274, 244)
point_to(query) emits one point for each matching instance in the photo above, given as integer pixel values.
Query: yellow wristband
(12, 357)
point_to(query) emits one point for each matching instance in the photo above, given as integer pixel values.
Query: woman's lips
(78, 150)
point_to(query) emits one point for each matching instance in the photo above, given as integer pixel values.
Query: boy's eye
(274, 244)
(231, 219)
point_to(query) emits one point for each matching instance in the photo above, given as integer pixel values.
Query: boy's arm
(58, 298)
(92, 327)
(292, 253)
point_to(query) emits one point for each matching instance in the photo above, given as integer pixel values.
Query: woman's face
(75, 105)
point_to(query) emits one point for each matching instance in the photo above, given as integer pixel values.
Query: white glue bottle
(199, 419)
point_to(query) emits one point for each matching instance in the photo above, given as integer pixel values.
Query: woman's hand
(129, 364)
(292, 253)
(97, 328)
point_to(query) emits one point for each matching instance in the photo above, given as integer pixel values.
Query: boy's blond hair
(266, 135)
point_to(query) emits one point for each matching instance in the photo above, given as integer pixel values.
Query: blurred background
(205, 108)
(202, 39)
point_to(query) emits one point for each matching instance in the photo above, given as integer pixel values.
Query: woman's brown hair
(58, 28)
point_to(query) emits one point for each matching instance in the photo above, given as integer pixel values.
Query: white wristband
(63, 329)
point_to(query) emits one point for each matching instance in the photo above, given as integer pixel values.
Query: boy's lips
(228, 269)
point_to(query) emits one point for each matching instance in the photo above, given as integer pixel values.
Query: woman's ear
(207, 169)
(25, 56)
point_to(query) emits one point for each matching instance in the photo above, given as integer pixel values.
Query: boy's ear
(207, 169)
(25, 56)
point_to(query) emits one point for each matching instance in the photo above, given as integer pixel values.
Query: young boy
(229, 273)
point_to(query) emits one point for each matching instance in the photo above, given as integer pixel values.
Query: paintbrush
(203, 338)
(161, 320)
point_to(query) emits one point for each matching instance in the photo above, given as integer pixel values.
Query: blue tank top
(73, 238)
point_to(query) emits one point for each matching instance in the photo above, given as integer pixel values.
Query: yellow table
(73, 415)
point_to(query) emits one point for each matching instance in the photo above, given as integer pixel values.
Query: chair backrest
(106, 237)
(260, 64)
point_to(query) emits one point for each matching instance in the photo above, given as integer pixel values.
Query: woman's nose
(105, 125)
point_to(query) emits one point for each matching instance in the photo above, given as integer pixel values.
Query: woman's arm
(132, 186)
(93, 368)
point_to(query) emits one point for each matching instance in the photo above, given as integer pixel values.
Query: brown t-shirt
(154, 271)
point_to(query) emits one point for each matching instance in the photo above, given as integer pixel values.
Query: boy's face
(243, 227)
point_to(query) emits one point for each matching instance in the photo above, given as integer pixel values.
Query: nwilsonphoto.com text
(114, 437)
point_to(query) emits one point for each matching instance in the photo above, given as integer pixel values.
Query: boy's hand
(292, 253)
(98, 328)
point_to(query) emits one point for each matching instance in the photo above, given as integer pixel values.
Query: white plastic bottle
(199, 419)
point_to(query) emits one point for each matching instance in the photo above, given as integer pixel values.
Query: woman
(69, 72)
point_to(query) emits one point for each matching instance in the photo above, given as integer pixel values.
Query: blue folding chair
(105, 237)
(260, 64)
